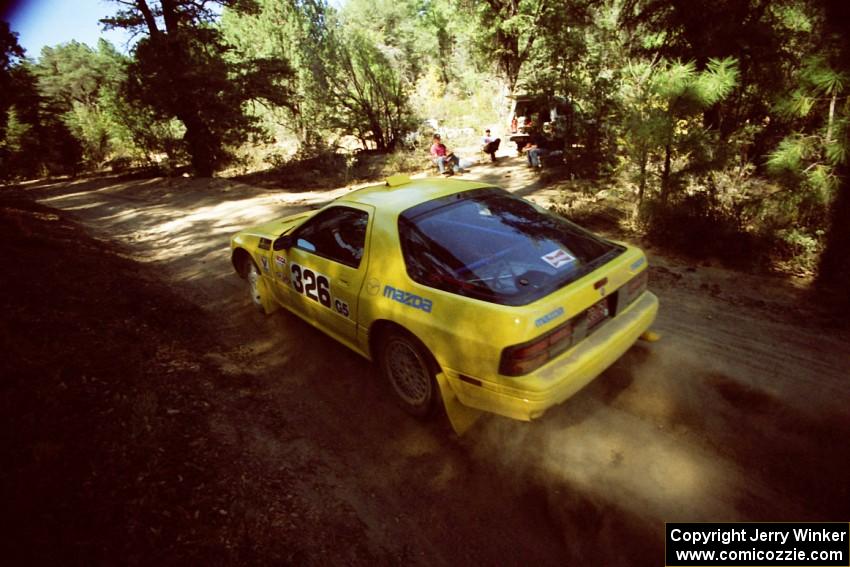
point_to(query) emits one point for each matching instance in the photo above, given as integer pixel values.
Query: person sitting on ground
(535, 148)
(490, 145)
(540, 145)
(442, 157)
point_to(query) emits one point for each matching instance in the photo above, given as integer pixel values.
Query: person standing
(490, 144)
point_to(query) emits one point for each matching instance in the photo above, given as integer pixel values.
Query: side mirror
(285, 242)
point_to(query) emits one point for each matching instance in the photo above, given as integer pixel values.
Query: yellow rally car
(459, 290)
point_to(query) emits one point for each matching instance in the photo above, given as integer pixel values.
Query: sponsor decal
(558, 258)
(279, 260)
(407, 298)
(551, 316)
(265, 262)
(373, 286)
(638, 263)
(265, 244)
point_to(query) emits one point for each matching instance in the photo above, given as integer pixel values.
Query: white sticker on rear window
(558, 258)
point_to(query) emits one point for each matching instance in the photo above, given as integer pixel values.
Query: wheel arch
(239, 259)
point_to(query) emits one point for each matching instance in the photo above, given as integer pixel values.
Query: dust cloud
(646, 443)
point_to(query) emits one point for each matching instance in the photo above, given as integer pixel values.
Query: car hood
(277, 227)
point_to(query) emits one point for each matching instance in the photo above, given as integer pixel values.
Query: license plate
(597, 313)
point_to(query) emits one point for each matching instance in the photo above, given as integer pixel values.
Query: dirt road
(739, 413)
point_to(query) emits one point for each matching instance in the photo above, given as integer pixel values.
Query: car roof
(398, 198)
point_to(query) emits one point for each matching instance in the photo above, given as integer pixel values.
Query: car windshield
(491, 245)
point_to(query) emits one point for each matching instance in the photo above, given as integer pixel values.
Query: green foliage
(791, 155)
(363, 83)
(767, 39)
(84, 84)
(697, 227)
(354, 69)
(37, 141)
(816, 83)
(281, 31)
(182, 73)
(506, 33)
(10, 54)
(801, 249)
(662, 104)
(805, 161)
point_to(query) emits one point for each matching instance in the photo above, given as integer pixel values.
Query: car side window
(337, 233)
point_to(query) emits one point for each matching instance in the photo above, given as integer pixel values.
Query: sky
(40, 23)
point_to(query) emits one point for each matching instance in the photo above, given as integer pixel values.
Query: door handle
(343, 283)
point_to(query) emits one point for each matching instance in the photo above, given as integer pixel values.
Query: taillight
(526, 357)
(637, 285)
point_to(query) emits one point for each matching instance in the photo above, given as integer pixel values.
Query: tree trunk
(831, 117)
(169, 15)
(199, 142)
(665, 174)
(834, 268)
(641, 184)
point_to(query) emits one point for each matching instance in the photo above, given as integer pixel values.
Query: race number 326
(315, 286)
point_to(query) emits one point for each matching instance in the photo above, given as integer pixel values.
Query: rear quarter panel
(468, 335)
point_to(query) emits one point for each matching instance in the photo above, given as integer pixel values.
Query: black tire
(409, 370)
(256, 287)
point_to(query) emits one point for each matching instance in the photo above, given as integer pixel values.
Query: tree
(37, 141)
(578, 54)
(33, 138)
(84, 84)
(834, 268)
(365, 89)
(766, 38)
(281, 31)
(805, 160)
(506, 33)
(10, 54)
(661, 101)
(180, 70)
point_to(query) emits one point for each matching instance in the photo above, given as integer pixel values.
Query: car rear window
(490, 245)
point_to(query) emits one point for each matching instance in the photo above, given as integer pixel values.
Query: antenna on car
(396, 180)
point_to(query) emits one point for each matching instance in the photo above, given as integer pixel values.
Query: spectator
(442, 157)
(534, 149)
(490, 145)
(540, 146)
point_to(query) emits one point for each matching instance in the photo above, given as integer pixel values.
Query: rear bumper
(528, 397)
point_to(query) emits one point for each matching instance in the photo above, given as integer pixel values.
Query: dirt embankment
(115, 442)
(229, 436)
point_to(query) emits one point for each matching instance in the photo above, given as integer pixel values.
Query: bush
(698, 228)
(799, 251)
(325, 168)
